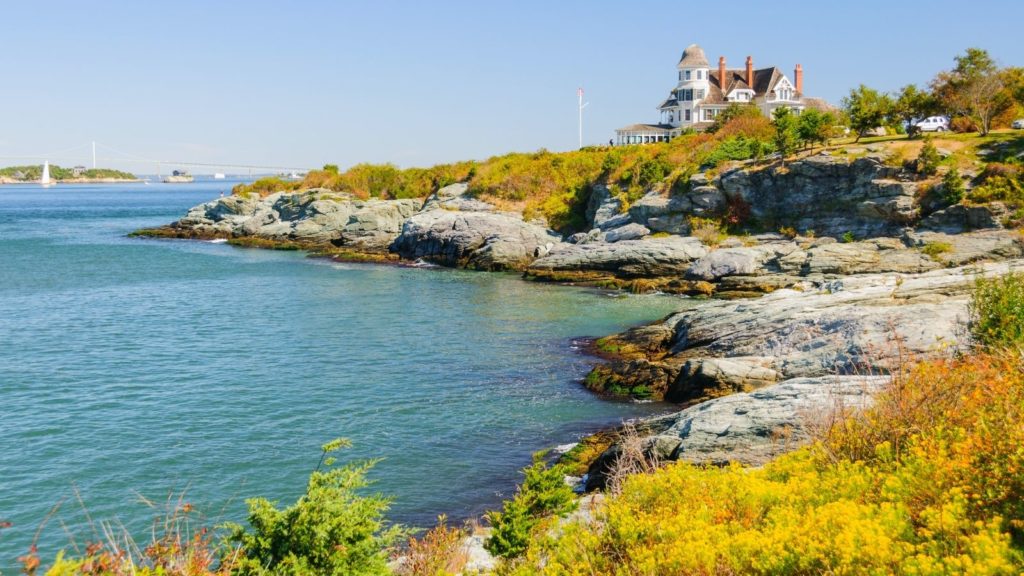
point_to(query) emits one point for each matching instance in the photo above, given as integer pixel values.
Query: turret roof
(693, 57)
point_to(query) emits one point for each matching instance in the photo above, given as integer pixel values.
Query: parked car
(932, 124)
(1018, 124)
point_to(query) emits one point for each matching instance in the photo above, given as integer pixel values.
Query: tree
(928, 160)
(911, 104)
(332, 168)
(786, 135)
(867, 109)
(815, 126)
(973, 89)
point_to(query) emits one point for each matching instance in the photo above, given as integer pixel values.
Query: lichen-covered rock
(827, 194)
(455, 197)
(629, 258)
(479, 240)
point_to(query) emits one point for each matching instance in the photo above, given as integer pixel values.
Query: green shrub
(997, 310)
(331, 529)
(928, 159)
(543, 493)
(935, 249)
(952, 187)
(848, 237)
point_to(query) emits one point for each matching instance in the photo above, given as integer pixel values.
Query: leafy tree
(911, 104)
(815, 126)
(786, 134)
(332, 168)
(867, 109)
(330, 530)
(973, 89)
(928, 159)
(543, 493)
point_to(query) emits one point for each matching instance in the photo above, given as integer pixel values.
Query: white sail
(45, 180)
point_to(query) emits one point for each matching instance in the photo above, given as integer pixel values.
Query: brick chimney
(750, 71)
(721, 73)
(798, 79)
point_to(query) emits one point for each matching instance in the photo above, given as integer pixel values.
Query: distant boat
(218, 176)
(295, 176)
(45, 179)
(179, 177)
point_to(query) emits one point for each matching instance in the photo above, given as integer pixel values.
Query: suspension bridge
(97, 152)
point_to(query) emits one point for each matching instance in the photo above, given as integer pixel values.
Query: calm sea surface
(135, 368)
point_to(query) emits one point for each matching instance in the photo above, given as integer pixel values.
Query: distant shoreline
(5, 180)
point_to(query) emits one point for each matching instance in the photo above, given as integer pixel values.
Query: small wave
(218, 241)
(421, 263)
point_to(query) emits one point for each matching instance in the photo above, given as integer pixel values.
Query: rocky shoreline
(855, 269)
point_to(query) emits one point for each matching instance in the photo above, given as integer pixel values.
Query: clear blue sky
(303, 83)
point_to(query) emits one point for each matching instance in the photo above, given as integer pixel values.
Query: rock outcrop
(478, 240)
(762, 369)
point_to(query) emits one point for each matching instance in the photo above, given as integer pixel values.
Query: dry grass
(634, 457)
(439, 552)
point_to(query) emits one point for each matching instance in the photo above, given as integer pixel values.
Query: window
(685, 94)
(699, 94)
(687, 75)
(700, 74)
(680, 74)
(687, 112)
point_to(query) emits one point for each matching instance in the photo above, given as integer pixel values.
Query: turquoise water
(134, 367)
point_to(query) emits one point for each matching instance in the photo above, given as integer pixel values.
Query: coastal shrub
(928, 159)
(936, 249)
(330, 530)
(543, 493)
(707, 230)
(926, 481)
(997, 310)
(265, 187)
(439, 552)
(733, 113)
(1000, 182)
(953, 188)
(848, 237)
(738, 148)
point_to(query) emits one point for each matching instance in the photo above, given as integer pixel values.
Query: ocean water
(137, 369)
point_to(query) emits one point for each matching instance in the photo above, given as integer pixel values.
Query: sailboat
(45, 179)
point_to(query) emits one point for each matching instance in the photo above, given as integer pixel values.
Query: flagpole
(579, 96)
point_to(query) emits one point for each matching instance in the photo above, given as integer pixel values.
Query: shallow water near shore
(144, 367)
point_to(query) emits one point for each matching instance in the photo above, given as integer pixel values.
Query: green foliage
(911, 104)
(953, 188)
(543, 493)
(928, 159)
(935, 249)
(974, 89)
(786, 131)
(848, 237)
(866, 109)
(997, 310)
(815, 126)
(332, 168)
(330, 530)
(1000, 182)
(738, 148)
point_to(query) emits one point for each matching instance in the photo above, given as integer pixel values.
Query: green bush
(997, 310)
(543, 493)
(952, 187)
(331, 529)
(928, 159)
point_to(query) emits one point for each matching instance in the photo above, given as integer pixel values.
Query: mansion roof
(693, 57)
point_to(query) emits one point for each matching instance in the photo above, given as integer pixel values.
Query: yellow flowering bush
(940, 491)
